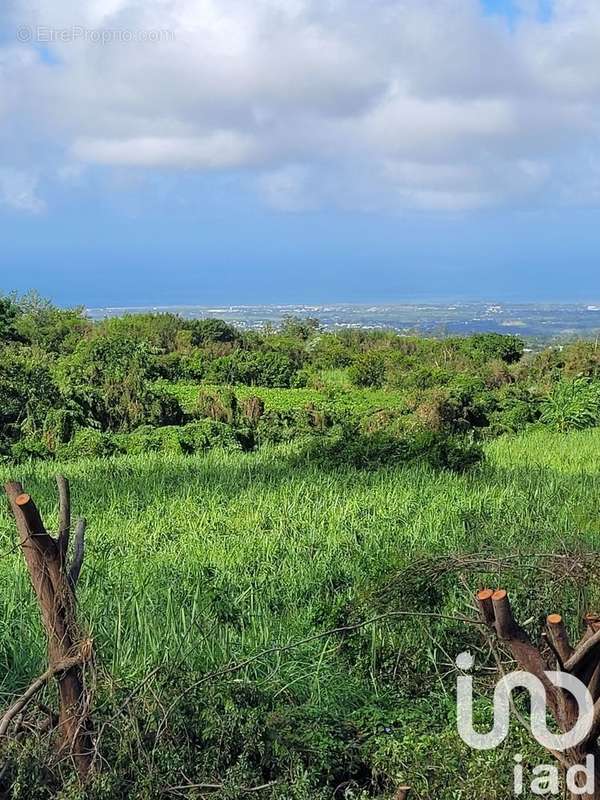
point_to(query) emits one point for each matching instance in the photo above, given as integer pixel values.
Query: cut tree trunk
(54, 587)
(582, 661)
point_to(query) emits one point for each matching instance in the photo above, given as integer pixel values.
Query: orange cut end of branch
(485, 594)
(22, 499)
(499, 594)
(554, 619)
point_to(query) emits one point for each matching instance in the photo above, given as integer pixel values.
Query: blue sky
(300, 151)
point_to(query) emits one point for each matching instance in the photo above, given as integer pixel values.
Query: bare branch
(21, 704)
(29, 522)
(557, 634)
(64, 530)
(486, 608)
(588, 651)
(79, 554)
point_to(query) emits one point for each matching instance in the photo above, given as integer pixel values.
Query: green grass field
(201, 563)
(362, 401)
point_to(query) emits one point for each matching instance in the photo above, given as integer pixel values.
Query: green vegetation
(285, 529)
(198, 564)
(70, 388)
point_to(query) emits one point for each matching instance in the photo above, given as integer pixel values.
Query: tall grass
(211, 559)
(232, 552)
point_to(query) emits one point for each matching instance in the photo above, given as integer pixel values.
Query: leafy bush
(347, 446)
(29, 447)
(270, 368)
(275, 427)
(9, 312)
(148, 439)
(482, 347)
(109, 378)
(206, 434)
(369, 369)
(28, 392)
(211, 330)
(220, 405)
(516, 408)
(572, 405)
(87, 443)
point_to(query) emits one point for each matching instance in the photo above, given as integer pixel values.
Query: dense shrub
(206, 434)
(29, 447)
(275, 427)
(204, 331)
(369, 369)
(28, 392)
(484, 347)
(148, 439)
(194, 437)
(220, 405)
(109, 377)
(270, 369)
(87, 443)
(159, 332)
(516, 408)
(572, 405)
(59, 373)
(346, 446)
(9, 311)
(48, 328)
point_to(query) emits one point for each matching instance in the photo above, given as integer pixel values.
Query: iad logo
(547, 780)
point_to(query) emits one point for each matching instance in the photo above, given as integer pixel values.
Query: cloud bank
(361, 104)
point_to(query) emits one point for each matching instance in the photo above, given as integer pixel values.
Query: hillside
(205, 572)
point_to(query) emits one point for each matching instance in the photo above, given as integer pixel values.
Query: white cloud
(216, 150)
(289, 188)
(378, 103)
(18, 190)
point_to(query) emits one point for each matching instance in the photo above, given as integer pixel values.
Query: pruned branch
(588, 651)
(32, 533)
(64, 530)
(582, 661)
(56, 598)
(559, 638)
(79, 553)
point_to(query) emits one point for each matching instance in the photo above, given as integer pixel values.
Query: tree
(369, 369)
(109, 376)
(52, 329)
(9, 311)
(212, 330)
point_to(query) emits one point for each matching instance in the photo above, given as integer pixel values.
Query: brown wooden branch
(56, 599)
(79, 553)
(21, 704)
(557, 634)
(506, 627)
(64, 529)
(32, 533)
(583, 662)
(486, 608)
(587, 652)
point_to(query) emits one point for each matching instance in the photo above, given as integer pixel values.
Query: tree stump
(581, 661)
(54, 585)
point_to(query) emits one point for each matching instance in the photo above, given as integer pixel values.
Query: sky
(300, 151)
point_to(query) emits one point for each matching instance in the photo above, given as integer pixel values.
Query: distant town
(533, 320)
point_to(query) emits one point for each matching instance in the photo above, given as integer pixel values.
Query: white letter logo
(537, 694)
